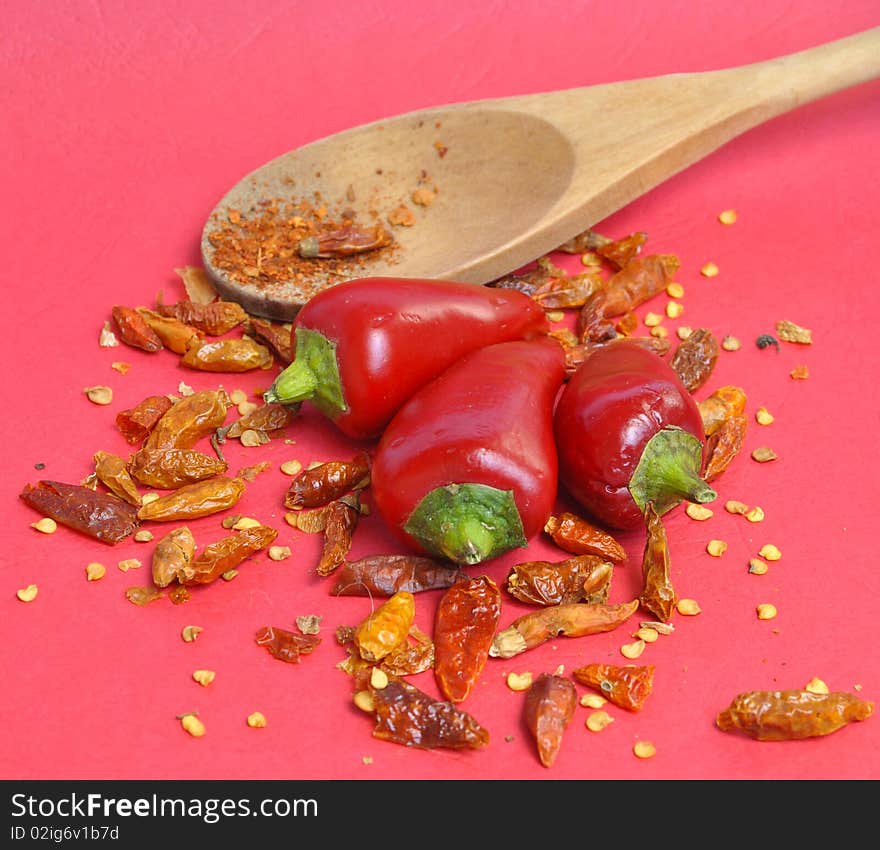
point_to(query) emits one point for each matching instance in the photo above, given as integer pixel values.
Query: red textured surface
(125, 124)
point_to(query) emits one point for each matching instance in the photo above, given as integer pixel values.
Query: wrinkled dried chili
(580, 537)
(285, 645)
(658, 595)
(694, 359)
(385, 575)
(133, 329)
(169, 469)
(113, 473)
(227, 553)
(215, 318)
(626, 687)
(326, 482)
(723, 446)
(136, 423)
(173, 557)
(583, 578)
(188, 420)
(227, 355)
(199, 499)
(549, 708)
(340, 520)
(386, 628)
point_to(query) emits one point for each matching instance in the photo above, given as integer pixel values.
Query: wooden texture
(521, 175)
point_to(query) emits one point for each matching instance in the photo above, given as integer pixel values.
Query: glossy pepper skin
(608, 413)
(467, 469)
(363, 347)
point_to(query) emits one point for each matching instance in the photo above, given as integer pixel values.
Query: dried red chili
(725, 403)
(188, 420)
(174, 334)
(405, 715)
(214, 319)
(549, 708)
(385, 575)
(658, 595)
(465, 624)
(322, 484)
(136, 423)
(106, 518)
(562, 293)
(133, 330)
(626, 687)
(227, 553)
(344, 242)
(199, 499)
(724, 445)
(228, 355)
(584, 578)
(386, 628)
(694, 359)
(791, 715)
(276, 336)
(169, 469)
(173, 557)
(285, 645)
(414, 655)
(579, 537)
(576, 619)
(623, 251)
(340, 520)
(266, 418)
(113, 473)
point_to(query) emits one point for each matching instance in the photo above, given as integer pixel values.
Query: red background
(124, 124)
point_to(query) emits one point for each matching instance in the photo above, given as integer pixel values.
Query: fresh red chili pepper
(363, 347)
(467, 469)
(629, 433)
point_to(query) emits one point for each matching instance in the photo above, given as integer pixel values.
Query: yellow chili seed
(46, 525)
(816, 686)
(716, 548)
(279, 553)
(238, 396)
(660, 628)
(257, 720)
(674, 309)
(95, 571)
(246, 522)
(229, 574)
(675, 290)
(245, 408)
(364, 701)
(727, 217)
(763, 454)
(698, 512)
(129, 564)
(193, 725)
(149, 497)
(688, 607)
(709, 270)
(519, 681)
(766, 611)
(730, 343)
(647, 635)
(591, 259)
(190, 633)
(378, 678)
(592, 701)
(660, 332)
(204, 677)
(684, 332)
(120, 366)
(185, 389)
(733, 506)
(652, 320)
(99, 394)
(291, 467)
(770, 552)
(756, 514)
(763, 416)
(633, 650)
(644, 750)
(27, 594)
(143, 536)
(250, 438)
(598, 720)
(758, 567)
(555, 316)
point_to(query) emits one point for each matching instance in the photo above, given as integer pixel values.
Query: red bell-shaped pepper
(363, 347)
(467, 468)
(628, 432)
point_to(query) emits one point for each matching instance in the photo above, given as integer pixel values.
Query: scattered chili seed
(758, 567)
(756, 514)
(709, 270)
(229, 574)
(46, 525)
(675, 290)
(727, 216)
(246, 522)
(256, 720)
(99, 394)
(190, 633)
(279, 553)
(143, 535)
(291, 467)
(593, 701)
(309, 624)
(766, 340)
(764, 454)
(598, 720)
(688, 607)
(716, 548)
(519, 681)
(647, 635)
(660, 332)
(120, 366)
(790, 332)
(644, 750)
(652, 320)
(128, 564)
(800, 373)
(674, 309)
(698, 512)
(204, 677)
(816, 686)
(684, 332)
(402, 216)
(660, 628)
(193, 725)
(378, 678)
(766, 611)
(95, 571)
(770, 552)
(237, 396)
(633, 650)
(763, 416)
(730, 343)
(27, 594)
(364, 701)
(733, 506)
(107, 339)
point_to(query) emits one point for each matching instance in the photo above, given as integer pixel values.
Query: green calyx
(313, 375)
(467, 523)
(669, 472)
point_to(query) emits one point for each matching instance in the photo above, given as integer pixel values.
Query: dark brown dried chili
(583, 578)
(385, 575)
(322, 484)
(227, 553)
(169, 469)
(694, 359)
(214, 319)
(549, 708)
(658, 595)
(340, 520)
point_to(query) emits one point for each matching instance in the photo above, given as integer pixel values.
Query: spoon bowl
(513, 178)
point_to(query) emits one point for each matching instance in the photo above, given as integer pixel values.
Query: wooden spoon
(517, 176)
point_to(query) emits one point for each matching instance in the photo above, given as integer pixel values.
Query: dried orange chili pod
(340, 520)
(791, 715)
(408, 716)
(579, 537)
(724, 445)
(576, 619)
(694, 359)
(188, 420)
(133, 330)
(414, 655)
(277, 337)
(587, 240)
(583, 578)
(386, 628)
(267, 417)
(620, 252)
(284, 645)
(384, 575)
(173, 557)
(658, 595)
(194, 500)
(562, 293)
(725, 403)
(136, 423)
(106, 518)
(322, 484)
(549, 707)
(168, 469)
(174, 334)
(113, 473)
(626, 687)
(227, 553)
(344, 241)
(215, 318)
(227, 355)
(464, 627)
